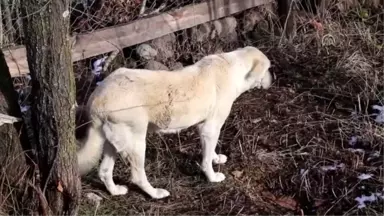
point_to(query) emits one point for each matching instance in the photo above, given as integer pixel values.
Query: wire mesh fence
(169, 52)
(298, 65)
(11, 26)
(90, 15)
(86, 15)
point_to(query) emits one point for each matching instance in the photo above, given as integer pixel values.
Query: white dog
(130, 102)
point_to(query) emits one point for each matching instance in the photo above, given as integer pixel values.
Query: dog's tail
(90, 153)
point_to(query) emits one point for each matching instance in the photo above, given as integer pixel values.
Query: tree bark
(12, 163)
(15, 169)
(47, 41)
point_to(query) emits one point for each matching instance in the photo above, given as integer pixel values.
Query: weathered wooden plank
(118, 37)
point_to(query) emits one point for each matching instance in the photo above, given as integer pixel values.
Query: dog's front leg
(209, 135)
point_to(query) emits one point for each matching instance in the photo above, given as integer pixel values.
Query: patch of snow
(376, 154)
(332, 167)
(380, 116)
(352, 141)
(364, 176)
(372, 198)
(356, 150)
(24, 108)
(363, 199)
(98, 65)
(380, 195)
(65, 13)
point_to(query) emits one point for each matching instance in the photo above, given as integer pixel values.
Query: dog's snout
(266, 82)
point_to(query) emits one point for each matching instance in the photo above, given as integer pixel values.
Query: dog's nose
(266, 82)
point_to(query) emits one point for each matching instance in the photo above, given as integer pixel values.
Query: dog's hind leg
(129, 141)
(106, 171)
(136, 157)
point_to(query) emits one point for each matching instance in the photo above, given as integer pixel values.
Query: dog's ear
(259, 75)
(258, 69)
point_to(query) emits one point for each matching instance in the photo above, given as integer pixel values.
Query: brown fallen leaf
(287, 202)
(302, 212)
(237, 174)
(268, 195)
(60, 187)
(317, 25)
(319, 203)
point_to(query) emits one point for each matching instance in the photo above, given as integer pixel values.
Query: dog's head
(257, 74)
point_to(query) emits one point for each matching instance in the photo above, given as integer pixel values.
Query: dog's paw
(220, 159)
(160, 193)
(217, 177)
(119, 190)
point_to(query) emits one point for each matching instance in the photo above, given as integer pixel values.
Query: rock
(165, 46)
(218, 50)
(145, 51)
(155, 65)
(176, 66)
(225, 28)
(260, 27)
(232, 37)
(250, 19)
(201, 32)
(218, 29)
(229, 25)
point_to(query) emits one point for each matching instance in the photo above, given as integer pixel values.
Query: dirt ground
(296, 148)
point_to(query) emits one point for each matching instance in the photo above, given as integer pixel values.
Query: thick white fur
(130, 102)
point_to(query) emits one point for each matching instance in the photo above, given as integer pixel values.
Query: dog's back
(167, 98)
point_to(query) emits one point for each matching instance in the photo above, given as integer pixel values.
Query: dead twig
(6, 119)
(8, 21)
(1, 27)
(142, 9)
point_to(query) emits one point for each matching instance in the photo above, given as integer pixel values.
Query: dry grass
(279, 140)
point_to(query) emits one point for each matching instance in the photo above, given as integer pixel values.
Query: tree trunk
(14, 165)
(12, 161)
(47, 41)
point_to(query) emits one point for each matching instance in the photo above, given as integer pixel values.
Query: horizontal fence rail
(145, 29)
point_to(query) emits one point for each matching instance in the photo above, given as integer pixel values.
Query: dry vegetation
(279, 141)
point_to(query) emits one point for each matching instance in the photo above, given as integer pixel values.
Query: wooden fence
(145, 29)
